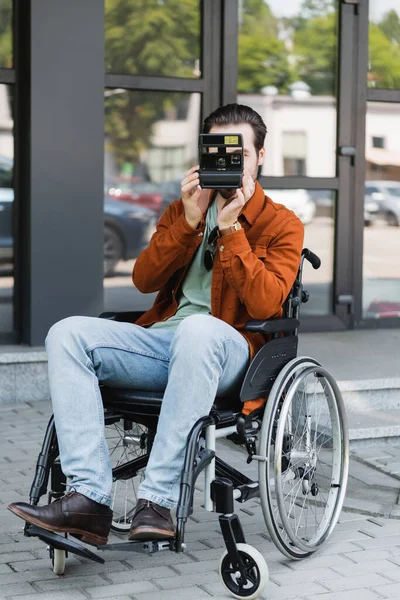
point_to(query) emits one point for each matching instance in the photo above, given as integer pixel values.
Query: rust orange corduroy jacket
(254, 268)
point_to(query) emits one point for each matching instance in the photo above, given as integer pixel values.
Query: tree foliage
(315, 50)
(384, 71)
(162, 37)
(146, 37)
(6, 34)
(262, 56)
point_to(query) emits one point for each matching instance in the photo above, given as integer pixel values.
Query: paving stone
(143, 574)
(70, 595)
(372, 555)
(186, 593)
(197, 567)
(194, 578)
(354, 582)
(17, 589)
(380, 542)
(317, 562)
(61, 583)
(359, 594)
(298, 577)
(388, 591)
(272, 591)
(11, 557)
(111, 591)
(377, 566)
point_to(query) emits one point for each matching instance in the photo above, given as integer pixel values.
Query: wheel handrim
(309, 492)
(267, 490)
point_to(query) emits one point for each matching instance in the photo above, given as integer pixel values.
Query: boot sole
(150, 533)
(84, 536)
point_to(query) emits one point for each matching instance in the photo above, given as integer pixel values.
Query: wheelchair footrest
(149, 547)
(61, 543)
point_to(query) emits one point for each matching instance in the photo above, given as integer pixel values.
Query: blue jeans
(203, 357)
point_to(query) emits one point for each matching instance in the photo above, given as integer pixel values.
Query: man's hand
(230, 212)
(195, 199)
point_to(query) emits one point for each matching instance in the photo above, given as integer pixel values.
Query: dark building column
(59, 162)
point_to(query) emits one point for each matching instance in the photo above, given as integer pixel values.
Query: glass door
(295, 68)
(381, 248)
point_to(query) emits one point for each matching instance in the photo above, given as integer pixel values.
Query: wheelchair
(299, 439)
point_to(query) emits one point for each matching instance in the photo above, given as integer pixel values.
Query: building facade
(100, 109)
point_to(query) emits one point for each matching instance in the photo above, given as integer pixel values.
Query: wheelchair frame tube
(209, 471)
(48, 454)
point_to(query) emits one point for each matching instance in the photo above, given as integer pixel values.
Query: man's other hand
(230, 212)
(194, 198)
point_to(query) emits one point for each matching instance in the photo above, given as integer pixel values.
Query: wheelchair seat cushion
(150, 402)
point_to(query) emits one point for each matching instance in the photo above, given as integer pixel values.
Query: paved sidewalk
(360, 562)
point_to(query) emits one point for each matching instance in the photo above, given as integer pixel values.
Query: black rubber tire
(113, 250)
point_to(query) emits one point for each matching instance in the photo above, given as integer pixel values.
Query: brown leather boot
(74, 513)
(151, 522)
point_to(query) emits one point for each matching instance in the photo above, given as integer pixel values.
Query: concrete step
(371, 394)
(372, 405)
(372, 426)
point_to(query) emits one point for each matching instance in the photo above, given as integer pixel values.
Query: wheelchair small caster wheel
(57, 560)
(256, 573)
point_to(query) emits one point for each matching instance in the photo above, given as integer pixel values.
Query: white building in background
(6, 124)
(301, 136)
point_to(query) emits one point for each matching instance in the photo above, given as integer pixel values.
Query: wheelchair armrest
(123, 317)
(272, 325)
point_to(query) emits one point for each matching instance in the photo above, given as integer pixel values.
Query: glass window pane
(156, 37)
(381, 289)
(151, 139)
(287, 61)
(316, 209)
(384, 44)
(6, 210)
(6, 59)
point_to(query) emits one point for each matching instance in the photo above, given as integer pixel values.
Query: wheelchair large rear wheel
(304, 443)
(126, 441)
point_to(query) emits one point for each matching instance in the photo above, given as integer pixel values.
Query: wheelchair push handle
(312, 258)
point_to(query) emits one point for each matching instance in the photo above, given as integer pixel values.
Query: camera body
(220, 169)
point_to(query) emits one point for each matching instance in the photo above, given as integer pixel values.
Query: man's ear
(261, 156)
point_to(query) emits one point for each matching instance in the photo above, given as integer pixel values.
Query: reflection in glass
(381, 289)
(160, 38)
(384, 44)
(6, 210)
(315, 208)
(287, 61)
(6, 60)
(151, 139)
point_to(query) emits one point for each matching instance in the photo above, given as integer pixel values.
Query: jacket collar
(252, 208)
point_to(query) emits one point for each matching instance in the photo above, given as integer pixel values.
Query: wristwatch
(235, 227)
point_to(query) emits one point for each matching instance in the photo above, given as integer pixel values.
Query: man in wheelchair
(217, 259)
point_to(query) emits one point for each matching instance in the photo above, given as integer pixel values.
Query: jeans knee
(62, 331)
(197, 334)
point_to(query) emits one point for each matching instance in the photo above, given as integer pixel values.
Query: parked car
(170, 191)
(127, 231)
(127, 227)
(383, 310)
(144, 193)
(386, 194)
(371, 211)
(296, 200)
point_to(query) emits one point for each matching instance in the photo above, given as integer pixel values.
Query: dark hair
(234, 114)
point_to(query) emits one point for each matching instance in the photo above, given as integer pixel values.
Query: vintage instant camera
(220, 169)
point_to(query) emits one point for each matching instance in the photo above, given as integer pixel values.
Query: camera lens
(221, 162)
